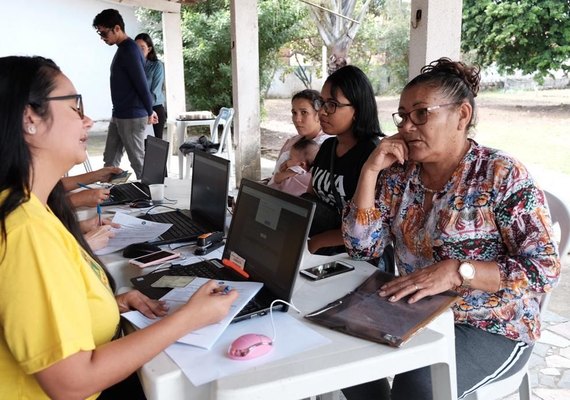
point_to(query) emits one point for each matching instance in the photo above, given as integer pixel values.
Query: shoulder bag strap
(338, 200)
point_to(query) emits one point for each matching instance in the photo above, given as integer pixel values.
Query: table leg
(443, 386)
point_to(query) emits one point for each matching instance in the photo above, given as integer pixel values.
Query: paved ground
(550, 362)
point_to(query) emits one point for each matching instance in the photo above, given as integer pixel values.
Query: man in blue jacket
(132, 101)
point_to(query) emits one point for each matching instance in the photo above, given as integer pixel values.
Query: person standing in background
(154, 70)
(132, 101)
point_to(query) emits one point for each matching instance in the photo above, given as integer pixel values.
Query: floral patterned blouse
(490, 210)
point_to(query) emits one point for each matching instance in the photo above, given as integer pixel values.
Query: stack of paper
(208, 335)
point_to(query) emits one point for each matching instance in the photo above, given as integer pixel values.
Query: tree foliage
(531, 35)
(206, 41)
(381, 48)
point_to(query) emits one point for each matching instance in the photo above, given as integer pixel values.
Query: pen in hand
(222, 289)
(84, 186)
(100, 222)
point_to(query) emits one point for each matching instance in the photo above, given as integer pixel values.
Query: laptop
(154, 171)
(269, 231)
(208, 202)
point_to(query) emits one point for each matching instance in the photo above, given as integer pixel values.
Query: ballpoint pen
(100, 186)
(84, 186)
(99, 214)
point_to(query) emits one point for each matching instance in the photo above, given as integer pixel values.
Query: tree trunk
(337, 27)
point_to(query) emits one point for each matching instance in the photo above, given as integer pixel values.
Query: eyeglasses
(104, 34)
(419, 116)
(330, 106)
(79, 103)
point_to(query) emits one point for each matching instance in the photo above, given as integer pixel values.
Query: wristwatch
(467, 272)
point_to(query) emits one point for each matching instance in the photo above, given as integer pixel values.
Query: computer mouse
(139, 249)
(141, 204)
(251, 345)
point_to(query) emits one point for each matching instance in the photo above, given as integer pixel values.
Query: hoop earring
(31, 129)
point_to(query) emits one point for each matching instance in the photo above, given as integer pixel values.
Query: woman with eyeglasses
(58, 312)
(348, 113)
(462, 217)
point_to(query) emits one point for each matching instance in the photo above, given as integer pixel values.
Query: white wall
(286, 88)
(62, 30)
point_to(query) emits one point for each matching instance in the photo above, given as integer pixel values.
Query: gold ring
(417, 287)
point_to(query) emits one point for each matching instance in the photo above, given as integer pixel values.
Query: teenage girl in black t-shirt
(350, 114)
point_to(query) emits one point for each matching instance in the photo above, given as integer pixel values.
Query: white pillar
(245, 81)
(435, 31)
(173, 64)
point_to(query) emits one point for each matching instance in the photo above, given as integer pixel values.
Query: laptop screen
(154, 165)
(269, 230)
(209, 194)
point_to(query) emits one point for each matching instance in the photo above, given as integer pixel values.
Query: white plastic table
(346, 361)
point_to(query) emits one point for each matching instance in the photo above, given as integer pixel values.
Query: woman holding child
(462, 217)
(305, 106)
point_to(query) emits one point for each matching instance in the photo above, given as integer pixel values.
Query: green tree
(381, 47)
(207, 46)
(531, 35)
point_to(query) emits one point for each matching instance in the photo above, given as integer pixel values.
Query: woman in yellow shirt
(58, 314)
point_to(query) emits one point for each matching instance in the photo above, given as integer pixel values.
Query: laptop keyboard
(181, 225)
(203, 269)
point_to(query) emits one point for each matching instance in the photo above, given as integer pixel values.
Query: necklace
(428, 190)
(432, 191)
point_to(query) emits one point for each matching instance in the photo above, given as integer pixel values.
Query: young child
(295, 177)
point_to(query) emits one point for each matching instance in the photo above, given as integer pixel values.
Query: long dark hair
(356, 87)
(26, 82)
(151, 56)
(62, 209)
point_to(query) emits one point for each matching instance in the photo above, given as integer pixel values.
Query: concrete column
(435, 31)
(245, 81)
(173, 64)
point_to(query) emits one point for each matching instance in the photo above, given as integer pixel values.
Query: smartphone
(158, 257)
(121, 177)
(326, 270)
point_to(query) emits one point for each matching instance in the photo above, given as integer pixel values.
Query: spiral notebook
(364, 314)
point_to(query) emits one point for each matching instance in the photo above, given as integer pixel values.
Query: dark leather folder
(364, 314)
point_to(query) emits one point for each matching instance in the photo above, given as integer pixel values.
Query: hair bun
(468, 74)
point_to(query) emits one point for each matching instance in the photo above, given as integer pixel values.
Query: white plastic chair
(560, 219)
(87, 164)
(224, 118)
